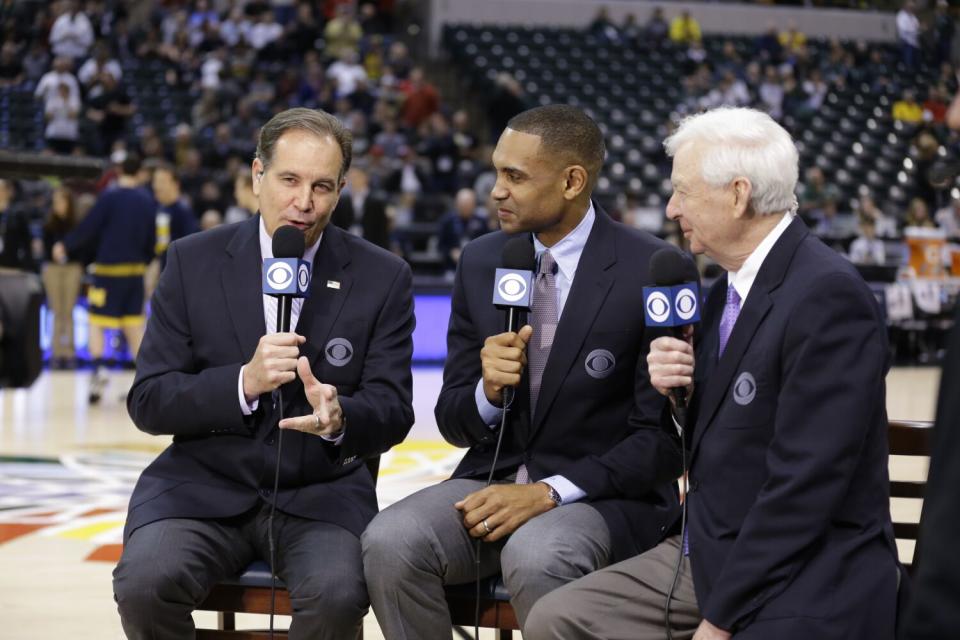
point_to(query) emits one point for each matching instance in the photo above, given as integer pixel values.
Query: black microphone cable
(508, 395)
(680, 414)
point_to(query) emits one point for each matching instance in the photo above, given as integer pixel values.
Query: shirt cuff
(489, 413)
(245, 407)
(337, 439)
(568, 491)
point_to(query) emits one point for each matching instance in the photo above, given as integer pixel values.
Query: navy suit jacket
(207, 318)
(596, 425)
(789, 514)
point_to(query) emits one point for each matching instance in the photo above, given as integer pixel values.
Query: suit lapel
(243, 270)
(758, 305)
(591, 284)
(329, 287)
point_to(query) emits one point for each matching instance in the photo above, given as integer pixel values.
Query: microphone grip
(679, 393)
(512, 320)
(284, 312)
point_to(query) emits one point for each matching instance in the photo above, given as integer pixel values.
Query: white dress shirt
(742, 280)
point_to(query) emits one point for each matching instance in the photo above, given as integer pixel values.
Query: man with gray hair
(217, 373)
(788, 533)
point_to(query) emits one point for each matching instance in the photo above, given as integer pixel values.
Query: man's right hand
(503, 358)
(670, 363)
(274, 363)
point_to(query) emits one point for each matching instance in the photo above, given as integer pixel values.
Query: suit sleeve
(456, 411)
(649, 456)
(380, 413)
(834, 359)
(172, 393)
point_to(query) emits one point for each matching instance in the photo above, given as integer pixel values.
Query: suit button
(266, 492)
(269, 441)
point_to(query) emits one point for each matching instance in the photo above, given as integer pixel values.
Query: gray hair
(315, 121)
(743, 143)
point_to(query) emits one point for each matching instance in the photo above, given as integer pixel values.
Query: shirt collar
(266, 245)
(743, 279)
(567, 252)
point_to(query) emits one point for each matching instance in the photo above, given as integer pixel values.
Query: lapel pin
(333, 284)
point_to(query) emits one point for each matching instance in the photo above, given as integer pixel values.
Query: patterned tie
(729, 318)
(544, 318)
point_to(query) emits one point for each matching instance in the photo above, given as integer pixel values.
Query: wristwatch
(554, 495)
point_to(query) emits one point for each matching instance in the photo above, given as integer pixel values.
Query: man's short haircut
(131, 165)
(747, 143)
(314, 121)
(167, 167)
(566, 132)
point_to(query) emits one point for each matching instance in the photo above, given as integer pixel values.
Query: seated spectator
(657, 28)
(918, 215)
(36, 61)
(948, 218)
(907, 109)
(420, 99)
(796, 101)
(11, 68)
(630, 31)
(411, 177)
(771, 93)
(399, 60)
(439, 148)
(792, 40)
(684, 29)
(91, 72)
(62, 113)
(244, 201)
(730, 92)
(602, 27)
(935, 106)
(211, 218)
(71, 34)
(460, 226)
(343, 33)
(264, 32)
(347, 72)
(508, 100)
(867, 248)
(768, 47)
(815, 195)
(885, 225)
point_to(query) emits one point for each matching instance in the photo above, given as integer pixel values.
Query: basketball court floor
(67, 470)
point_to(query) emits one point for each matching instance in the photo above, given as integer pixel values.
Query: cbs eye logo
(512, 287)
(658, 306)
(279, 275)
(339, 352)
(599, 363)
(303, 277)
(686, 302)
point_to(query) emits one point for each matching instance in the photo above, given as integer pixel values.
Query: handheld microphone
(674, 301)
(286, 276)
(514, 281)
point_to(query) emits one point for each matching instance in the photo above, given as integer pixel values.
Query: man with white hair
(788, 531)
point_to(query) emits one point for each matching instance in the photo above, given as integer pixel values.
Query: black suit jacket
(789, 515)
(933, 613)
(597, 427)
(207, 318)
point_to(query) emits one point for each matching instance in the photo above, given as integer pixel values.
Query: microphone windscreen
(669, 267)
(518, 254)
(288, 242)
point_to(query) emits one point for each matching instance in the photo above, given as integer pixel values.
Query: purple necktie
(543, 319)
(730, 312)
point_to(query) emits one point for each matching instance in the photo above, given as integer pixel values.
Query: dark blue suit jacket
(599, 427)
(207, 318)
(789, 515)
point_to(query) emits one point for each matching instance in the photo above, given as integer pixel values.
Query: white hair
(744, 143)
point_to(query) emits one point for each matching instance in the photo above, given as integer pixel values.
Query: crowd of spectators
(185, 85)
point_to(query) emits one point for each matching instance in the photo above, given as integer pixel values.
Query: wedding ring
(486, 527)
(317, 418)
